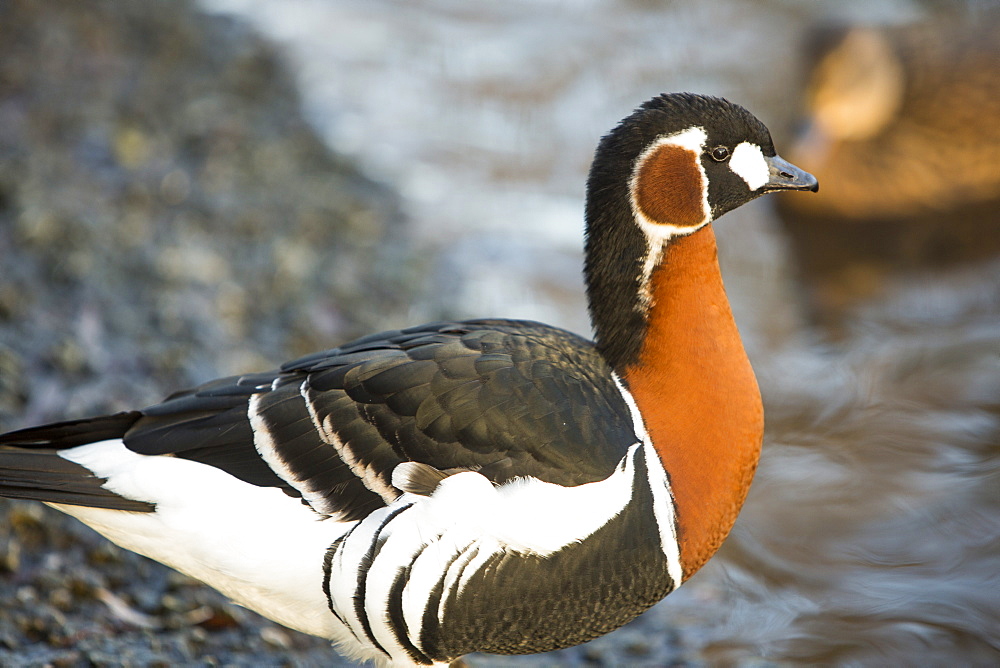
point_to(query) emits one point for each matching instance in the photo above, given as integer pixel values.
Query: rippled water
(872, 533)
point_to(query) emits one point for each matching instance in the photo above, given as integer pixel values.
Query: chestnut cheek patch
(670, 187)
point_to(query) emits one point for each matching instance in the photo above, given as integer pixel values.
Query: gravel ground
(166, 217)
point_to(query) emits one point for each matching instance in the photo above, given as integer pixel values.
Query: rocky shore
(166, 217)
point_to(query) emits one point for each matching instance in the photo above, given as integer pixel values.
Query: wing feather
(506, 398)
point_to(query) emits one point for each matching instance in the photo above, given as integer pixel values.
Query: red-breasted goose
(489, 485)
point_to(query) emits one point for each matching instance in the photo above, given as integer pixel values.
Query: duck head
(677, 163)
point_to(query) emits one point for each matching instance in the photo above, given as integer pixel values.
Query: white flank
(663, 501)
(657, 234)
(748, 163)
(256, 545)
(403, 541)
(346, 567)
(449, 535)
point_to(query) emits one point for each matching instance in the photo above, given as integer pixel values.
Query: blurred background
(190, 190)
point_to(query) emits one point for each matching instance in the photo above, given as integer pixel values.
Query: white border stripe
(657, 234)
(663, 500)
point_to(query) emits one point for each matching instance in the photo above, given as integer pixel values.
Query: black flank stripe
(327, 567)
(397, 622)
(363, 568)
(430, 633)
(434, 600)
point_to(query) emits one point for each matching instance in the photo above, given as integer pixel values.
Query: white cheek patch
(748, 163)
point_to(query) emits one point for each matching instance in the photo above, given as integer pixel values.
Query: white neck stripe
(663, 498)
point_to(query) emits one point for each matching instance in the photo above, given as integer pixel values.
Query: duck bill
(783, 175)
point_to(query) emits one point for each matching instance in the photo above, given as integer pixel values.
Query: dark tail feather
(42, 475)
(72, 433)
(31, 468)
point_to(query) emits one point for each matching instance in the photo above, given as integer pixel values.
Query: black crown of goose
(508, 399)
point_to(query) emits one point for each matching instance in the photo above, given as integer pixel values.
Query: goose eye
(720, 153)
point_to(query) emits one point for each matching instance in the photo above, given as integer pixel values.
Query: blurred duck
(903, 128)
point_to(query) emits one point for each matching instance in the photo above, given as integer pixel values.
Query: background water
(484, 116)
